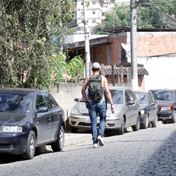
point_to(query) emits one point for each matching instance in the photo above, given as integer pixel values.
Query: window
(16, 103)
(129, 96)
(40, 101)
(49, 100)
(93, 3)
(117, 96)
(151, 100)
(142, 97)
(94, 21)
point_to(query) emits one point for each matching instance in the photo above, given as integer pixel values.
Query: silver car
(127, 112)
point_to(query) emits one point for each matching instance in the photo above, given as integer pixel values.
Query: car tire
(173, 120)
(30, 149)
(120, 131)
(154, 122)
(137, 125)
(74, 130)
(146, 124)
(58, 145)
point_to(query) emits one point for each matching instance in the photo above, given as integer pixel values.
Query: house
(155, 49)
(95, 12)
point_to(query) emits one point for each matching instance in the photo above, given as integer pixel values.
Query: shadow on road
(163, 161)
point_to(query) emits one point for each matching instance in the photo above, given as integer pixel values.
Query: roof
(17, 90)
(140, 91)
(162, 89)
(120, 29)
(117, 70)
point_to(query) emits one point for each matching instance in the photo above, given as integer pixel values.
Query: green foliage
(26, 45)
(147, 15)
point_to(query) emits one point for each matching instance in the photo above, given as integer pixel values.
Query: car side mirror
(130, 103)
(152, 104)
(77, 99)
(42, 109)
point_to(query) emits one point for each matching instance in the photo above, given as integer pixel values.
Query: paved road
(146, 152)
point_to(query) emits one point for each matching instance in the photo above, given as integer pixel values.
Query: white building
(95, 12)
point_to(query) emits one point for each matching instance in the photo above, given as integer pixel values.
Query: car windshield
(117, 96)
(142, 98)
(15, 103)
(163, 95)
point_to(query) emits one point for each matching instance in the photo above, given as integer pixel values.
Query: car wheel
(121, 129)
(137, 125)
(30, 150)
(173, 120)
(154, 123)
(146, 123)
(74, 130)
(58, 145)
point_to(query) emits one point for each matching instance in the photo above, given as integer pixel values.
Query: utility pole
(87, 47)
(134, 70)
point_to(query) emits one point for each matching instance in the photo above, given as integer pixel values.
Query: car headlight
(75, 111)
(11, 129)
(166, 109)
(142, 112)
(110, 114)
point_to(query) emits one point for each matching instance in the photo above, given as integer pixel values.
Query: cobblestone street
(146, 152)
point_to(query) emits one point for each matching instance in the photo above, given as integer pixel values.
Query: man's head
(95, 66)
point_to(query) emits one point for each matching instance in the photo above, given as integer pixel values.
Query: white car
(127, 112)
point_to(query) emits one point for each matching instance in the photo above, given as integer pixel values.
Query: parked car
(29, 119)
(148, 108)
(127, 112)
(166, 100)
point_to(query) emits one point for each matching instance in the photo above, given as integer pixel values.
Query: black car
(28, 119)
(166, 100)
(148, 109)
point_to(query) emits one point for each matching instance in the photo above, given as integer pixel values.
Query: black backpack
(95, 88)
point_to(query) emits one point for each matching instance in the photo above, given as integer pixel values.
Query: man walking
(95, 102)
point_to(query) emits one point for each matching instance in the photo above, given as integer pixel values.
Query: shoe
(95, 145)
(100, 140)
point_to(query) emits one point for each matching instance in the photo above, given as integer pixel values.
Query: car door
(129, 109)
(153, 107)
(56, 114)
(43, 121)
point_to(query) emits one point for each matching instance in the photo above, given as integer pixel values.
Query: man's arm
(84, 91)
(108, 94)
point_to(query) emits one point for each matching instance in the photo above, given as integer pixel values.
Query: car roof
(117, 88)
(140, 91)
(18, 90)
(162, 89)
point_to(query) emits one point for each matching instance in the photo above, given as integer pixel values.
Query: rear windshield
(163, 95)
(143, 98)
(15, 103)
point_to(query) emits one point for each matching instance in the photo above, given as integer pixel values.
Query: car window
(129, 96)
(16, 103)
(142, 97)
(152, 100)
(40, 101)
(49, 100)
(163, 95)
(117, 96)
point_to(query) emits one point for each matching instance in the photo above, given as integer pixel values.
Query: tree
(27, 28)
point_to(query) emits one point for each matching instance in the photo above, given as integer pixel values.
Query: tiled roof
(117, 70)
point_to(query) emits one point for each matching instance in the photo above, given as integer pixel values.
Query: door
(153, 107)
(55, 112)
(43, 121)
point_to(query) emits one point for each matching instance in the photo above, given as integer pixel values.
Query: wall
(161, 72)
(65, 94)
